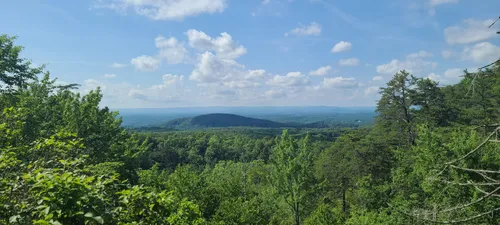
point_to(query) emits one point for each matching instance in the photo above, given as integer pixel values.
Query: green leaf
(89, 214)
(99, 219)
(13, 219)
(46, 210)
(55, 222)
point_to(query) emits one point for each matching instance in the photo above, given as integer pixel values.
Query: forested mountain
(431, 157)
(222, 120)
(232, 120)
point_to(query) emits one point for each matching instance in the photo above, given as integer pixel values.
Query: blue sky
(178, 53)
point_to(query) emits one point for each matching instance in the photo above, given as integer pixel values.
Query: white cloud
(118, 65)
(109, 75)
(313, 29)
(223, 46)
(290, 79)
(340, 82)
(146, 63)
(451, 76)
(168, 81)
(212, 70)
(273, 94)
(255, 75)
(93, 84)
(241, 84)
(377, 78)
(321, 71)
(469, 31)
(265, 2)
(420, 54)
(171, 50)
(349, 62)
(137, 94)
(483, 52)
(434, 77)
(342, 46)
(414, 63)
(454, 73)
(369, 91)
(164, 9)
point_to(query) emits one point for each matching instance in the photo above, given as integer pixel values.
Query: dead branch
(475, 149)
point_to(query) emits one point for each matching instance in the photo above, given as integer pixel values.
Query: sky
(192, 53)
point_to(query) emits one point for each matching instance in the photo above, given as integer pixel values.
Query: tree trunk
(297, 217)
(344, 188)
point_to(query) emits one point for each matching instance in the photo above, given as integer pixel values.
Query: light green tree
(293, 172)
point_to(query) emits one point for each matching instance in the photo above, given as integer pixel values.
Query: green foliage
(140, 205)
(15, 72)
(293, 175)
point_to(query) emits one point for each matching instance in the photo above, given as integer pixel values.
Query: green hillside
(222, 120)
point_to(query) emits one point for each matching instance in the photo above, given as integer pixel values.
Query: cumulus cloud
(164, 9)
(340, 82)
(241, 84)
(255, 75)
(434, 77)
(171, 50)
(321, 71)
(450, 76)
(342, 46)
(454, 73)
(212, 70)
(349, 62)
(223, 46)
(168, 81)
(91, 84)
(290, 79)
(118, 65)
(414, 63)
(137, 94)
(483, 52)
(377, 78)
(273, 94)
(146, 63)
(313, 29)
(469, 31)
(109, 75)
(373, 90)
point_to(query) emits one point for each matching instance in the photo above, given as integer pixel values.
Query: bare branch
(471, 203)
(485, 192)
(475, 170)
(455, 221)
(470, 183)
(475, 149)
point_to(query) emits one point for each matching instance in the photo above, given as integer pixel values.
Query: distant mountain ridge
(222, 120)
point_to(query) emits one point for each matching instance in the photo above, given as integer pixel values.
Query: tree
(395, 107)
(15, 72)
(293, 172)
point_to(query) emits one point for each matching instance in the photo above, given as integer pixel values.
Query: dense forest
(432, 156)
